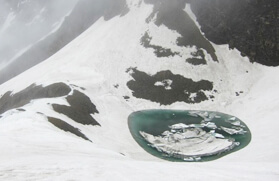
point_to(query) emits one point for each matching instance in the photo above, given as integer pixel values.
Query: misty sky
(25, 22)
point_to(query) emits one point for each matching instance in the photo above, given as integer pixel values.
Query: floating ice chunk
(232, 118)
(196, 126)
(179, 126)
(233, 131)
(189, 159)
(210, 125)
(237, 143)
(212, 115)
(193, 113)
(206, 116)
(236, 123)
(177, 137)
(166, 133)
(209, 117)
(216, 135)
(203, 114)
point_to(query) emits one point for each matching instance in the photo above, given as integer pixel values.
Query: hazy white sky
(24, 22)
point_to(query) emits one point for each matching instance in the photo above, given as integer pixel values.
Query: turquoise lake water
(155, 122)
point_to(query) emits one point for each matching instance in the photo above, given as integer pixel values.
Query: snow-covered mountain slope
(78, 19)
(108, 67)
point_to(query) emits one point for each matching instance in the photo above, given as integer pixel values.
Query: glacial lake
(188, 136)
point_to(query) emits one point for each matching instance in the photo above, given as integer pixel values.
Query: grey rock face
(172, 15)
(166, 88)
(10, 101)
(251, 26)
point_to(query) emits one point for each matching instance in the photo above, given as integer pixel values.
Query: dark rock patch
(172, 15)
(251, 26)
(126, 97)
(80, 109)
(67, 127)
(239, 93)
(198, 59)
(158, 50)
(10, 101)
(21, 110)
(166, 88)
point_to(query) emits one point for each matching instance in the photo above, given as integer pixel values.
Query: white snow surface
(33, 149)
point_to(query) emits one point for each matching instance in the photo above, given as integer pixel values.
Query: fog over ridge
(24, 22)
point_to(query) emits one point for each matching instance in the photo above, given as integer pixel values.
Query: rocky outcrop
(172, 15)
(251, 26)
(80, 109)
(67, 127)
(166, 88)
(10, 101)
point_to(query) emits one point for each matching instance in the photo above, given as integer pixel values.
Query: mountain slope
(82, 15)
(99, 64)
(24, 23)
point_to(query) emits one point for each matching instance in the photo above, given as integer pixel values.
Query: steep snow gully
(65, 117)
